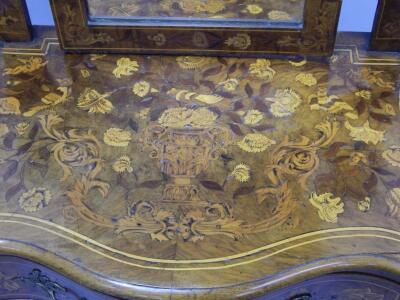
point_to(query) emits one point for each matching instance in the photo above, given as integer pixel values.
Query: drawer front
(23, 279)
(340, 287)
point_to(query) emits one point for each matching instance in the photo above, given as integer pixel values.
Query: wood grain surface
(199, 177)
(314, 35)
(14, 21)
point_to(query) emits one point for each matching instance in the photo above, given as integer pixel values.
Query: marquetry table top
(183, 176)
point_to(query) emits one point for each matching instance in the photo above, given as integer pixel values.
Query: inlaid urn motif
(183, 144)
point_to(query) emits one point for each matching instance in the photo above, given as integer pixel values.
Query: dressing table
(127, 176)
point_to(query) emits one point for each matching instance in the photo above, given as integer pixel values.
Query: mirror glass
(219, 13)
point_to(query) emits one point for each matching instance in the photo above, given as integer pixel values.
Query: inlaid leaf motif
(151, 184)
(249, 90)
(13, 191)
(371, 182)
(236, 129)
(243, 190)
(232, 68)
(334, 148)
(40, 167)
(234, 117)
(211, 71)
(382, 171)
(261, 106)
(264, 127)
(238, 105)
(9, 140)
(361, 107)
(208, 83)
(11, 169)
(34, 131)
(211, 185)
(24, 148)
(133, 125)
(380, 118)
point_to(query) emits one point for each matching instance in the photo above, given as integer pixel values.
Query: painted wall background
(356, 15)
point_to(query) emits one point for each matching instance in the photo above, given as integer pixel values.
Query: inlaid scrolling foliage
(217, 136)
(14, 21)
(315, 37)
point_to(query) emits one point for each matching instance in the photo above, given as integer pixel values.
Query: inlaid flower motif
(117, 137)
(253, 117)
(141, 88)
(10, 106)
(328, 207)
(28, 66)
(229, 85)
(392, 155)
(321, 98)
(94, 102)
(200, 40)
(307, 79)
(255, 143)
(298, 64)
(126, 67)
(204, 6)
(364, 94)
(122, 165)
(358, 157)
(186, 95)
(262, 69)
(143, 113)
(393, 201)
(196, 6)
(254, 9)
(365, 133)
(278, 15)
(364, 205)
(94, 57)
(240, 41)
(159, 39)
(241, 173)
(297, 161)
(35, 199)
(22, 127)
(181, 117)
(3, 129)
(193, 62)
(85, 73)
(284, 103)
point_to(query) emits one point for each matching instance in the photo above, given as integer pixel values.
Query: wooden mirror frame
(317, 37)
(15, 23)
(386, 30)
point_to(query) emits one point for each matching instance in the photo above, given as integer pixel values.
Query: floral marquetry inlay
(191, 158)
